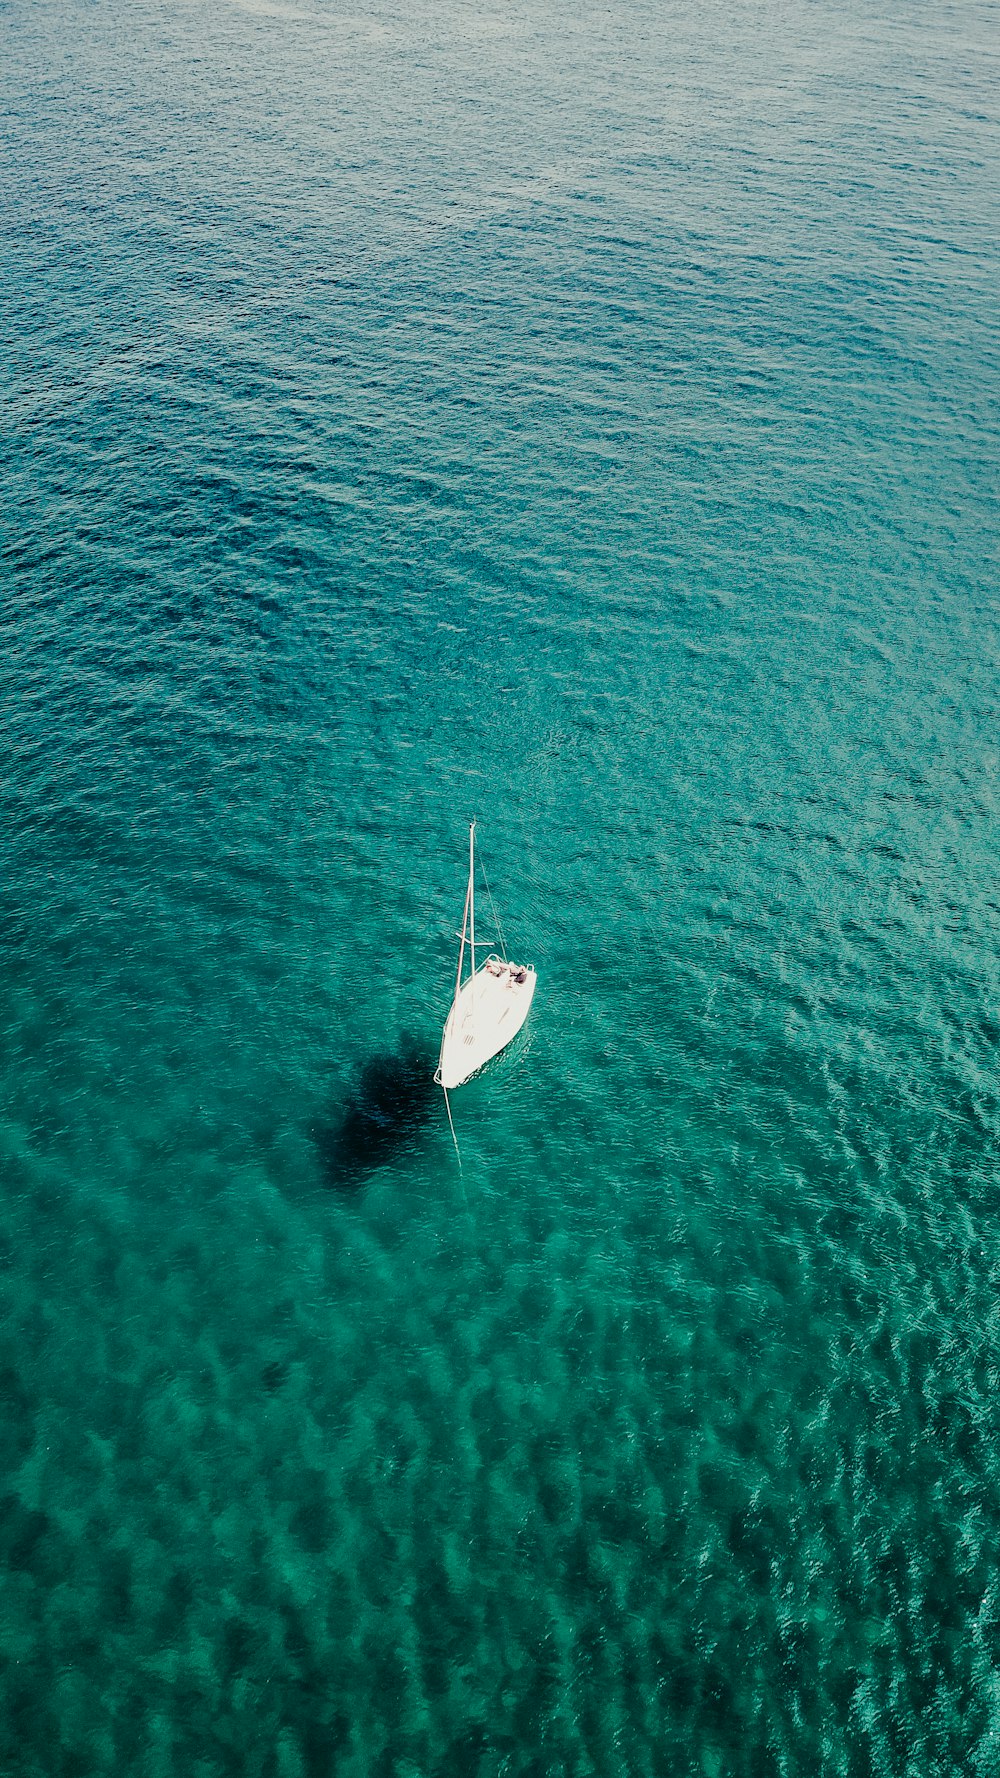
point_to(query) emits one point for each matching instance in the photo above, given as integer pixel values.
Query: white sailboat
(489, 1008)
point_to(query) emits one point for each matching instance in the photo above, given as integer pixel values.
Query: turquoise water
(586, 419)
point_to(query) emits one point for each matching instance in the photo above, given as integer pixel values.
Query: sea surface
(584, 418)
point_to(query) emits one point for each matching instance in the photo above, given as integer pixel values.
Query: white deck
(486, 1013)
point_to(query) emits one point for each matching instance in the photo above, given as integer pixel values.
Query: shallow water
(583, 418)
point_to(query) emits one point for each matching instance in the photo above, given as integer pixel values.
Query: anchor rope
(447, 1106)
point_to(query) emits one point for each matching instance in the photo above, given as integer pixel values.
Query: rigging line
(496, 916)
(454, 1138)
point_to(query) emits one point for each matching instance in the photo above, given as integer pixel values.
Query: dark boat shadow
(385, 1113)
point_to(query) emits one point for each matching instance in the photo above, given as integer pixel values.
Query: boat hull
(486, 1013)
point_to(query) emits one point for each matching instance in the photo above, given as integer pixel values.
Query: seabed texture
(582, 419)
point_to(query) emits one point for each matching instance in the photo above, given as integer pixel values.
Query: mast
(472, 904)
(461, 948)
